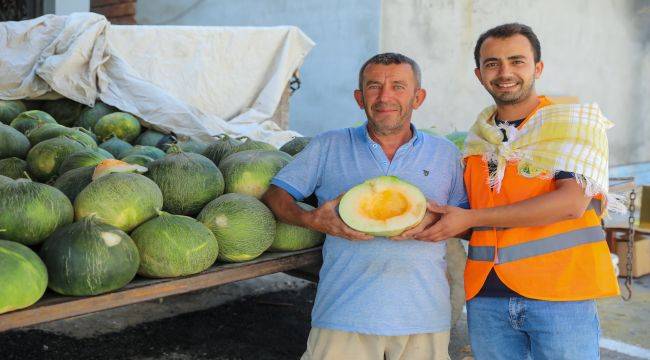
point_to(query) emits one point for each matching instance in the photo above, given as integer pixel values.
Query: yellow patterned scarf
(563, 137)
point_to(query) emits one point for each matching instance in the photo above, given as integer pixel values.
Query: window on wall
(16, 10)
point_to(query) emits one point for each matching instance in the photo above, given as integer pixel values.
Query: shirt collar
(364, 136)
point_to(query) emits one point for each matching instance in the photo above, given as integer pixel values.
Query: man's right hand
(325, 219)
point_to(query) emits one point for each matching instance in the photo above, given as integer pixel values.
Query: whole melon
(24, 276)
(138, 160)
(31, 119)
(249, 144)
(150, 151)
(124, 200)
(244, 226)
(65, 111)
(250, 172)
(116, 146)
(72, 182)
(31, 211)
(12, 143)
(188, 182)
(86, 157)
(9, 109)
(14, 168)
(296, 145)
(123, 125)
(90, 115)
(291, 237)
(188, 145)
(174, 245)
(44, 159)
(149, 137)
(5, 180)
(49, 131)
(89, 258)
(217, 149)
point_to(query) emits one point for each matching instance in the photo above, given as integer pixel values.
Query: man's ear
(477, 72)
(539, 67)
(420, 95)
(358, 96)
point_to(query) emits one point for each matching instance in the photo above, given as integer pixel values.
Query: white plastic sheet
(195, 81)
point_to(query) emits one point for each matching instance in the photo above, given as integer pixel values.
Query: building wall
(597, 50)
(345, 33)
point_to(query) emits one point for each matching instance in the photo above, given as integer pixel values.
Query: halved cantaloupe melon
(383, 206)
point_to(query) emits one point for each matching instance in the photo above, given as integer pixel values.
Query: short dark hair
(390, 59)
(506, 31)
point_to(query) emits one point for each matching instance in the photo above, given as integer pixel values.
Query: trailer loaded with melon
(97, 211)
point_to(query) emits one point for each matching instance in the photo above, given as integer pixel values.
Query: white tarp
(195, 81)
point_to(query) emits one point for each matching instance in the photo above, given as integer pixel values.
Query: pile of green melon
(74, 221)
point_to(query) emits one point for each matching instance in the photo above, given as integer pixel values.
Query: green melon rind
(49, 131)
(13, 143)
(30, 211)
(174, 245)
(24, 276)
(188, 182)
(250, 172)
(44, 159)
(74, 181)
(293, 147)
(141, 160)
(89, 116)
(149, 137)
(150, 151)
(9, 109)
(5, 180)
(292, 238)
(123, 125)
(217, 149)
(89, 258)
(248, 144)
(244, 226)
(87, 157)
(124, 200)
(31, 119)
(13, 167)
(65, 111)
(116, 147)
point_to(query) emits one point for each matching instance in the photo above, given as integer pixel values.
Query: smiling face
(508, 69)
(389, 96)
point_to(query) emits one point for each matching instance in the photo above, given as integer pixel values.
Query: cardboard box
(641, 254)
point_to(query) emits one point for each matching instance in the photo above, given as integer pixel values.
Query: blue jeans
(518, 328)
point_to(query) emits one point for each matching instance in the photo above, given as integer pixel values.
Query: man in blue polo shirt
(377, 298)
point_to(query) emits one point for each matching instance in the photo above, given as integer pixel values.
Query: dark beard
(523, 95)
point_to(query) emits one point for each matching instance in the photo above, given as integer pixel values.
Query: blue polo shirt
(380, 286)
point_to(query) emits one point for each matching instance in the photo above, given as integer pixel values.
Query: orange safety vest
(565, 261)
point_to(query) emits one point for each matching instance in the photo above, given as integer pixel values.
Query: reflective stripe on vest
(594, 204)
(538, 247)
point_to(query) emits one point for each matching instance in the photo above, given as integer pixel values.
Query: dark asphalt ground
(268, 326)
(271, 326)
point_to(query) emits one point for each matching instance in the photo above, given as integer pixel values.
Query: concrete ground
(263, 318)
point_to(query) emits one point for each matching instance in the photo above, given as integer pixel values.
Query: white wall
(598, 50)
(345, 33)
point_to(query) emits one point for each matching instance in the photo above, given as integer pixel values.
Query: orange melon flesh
(383, 206)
